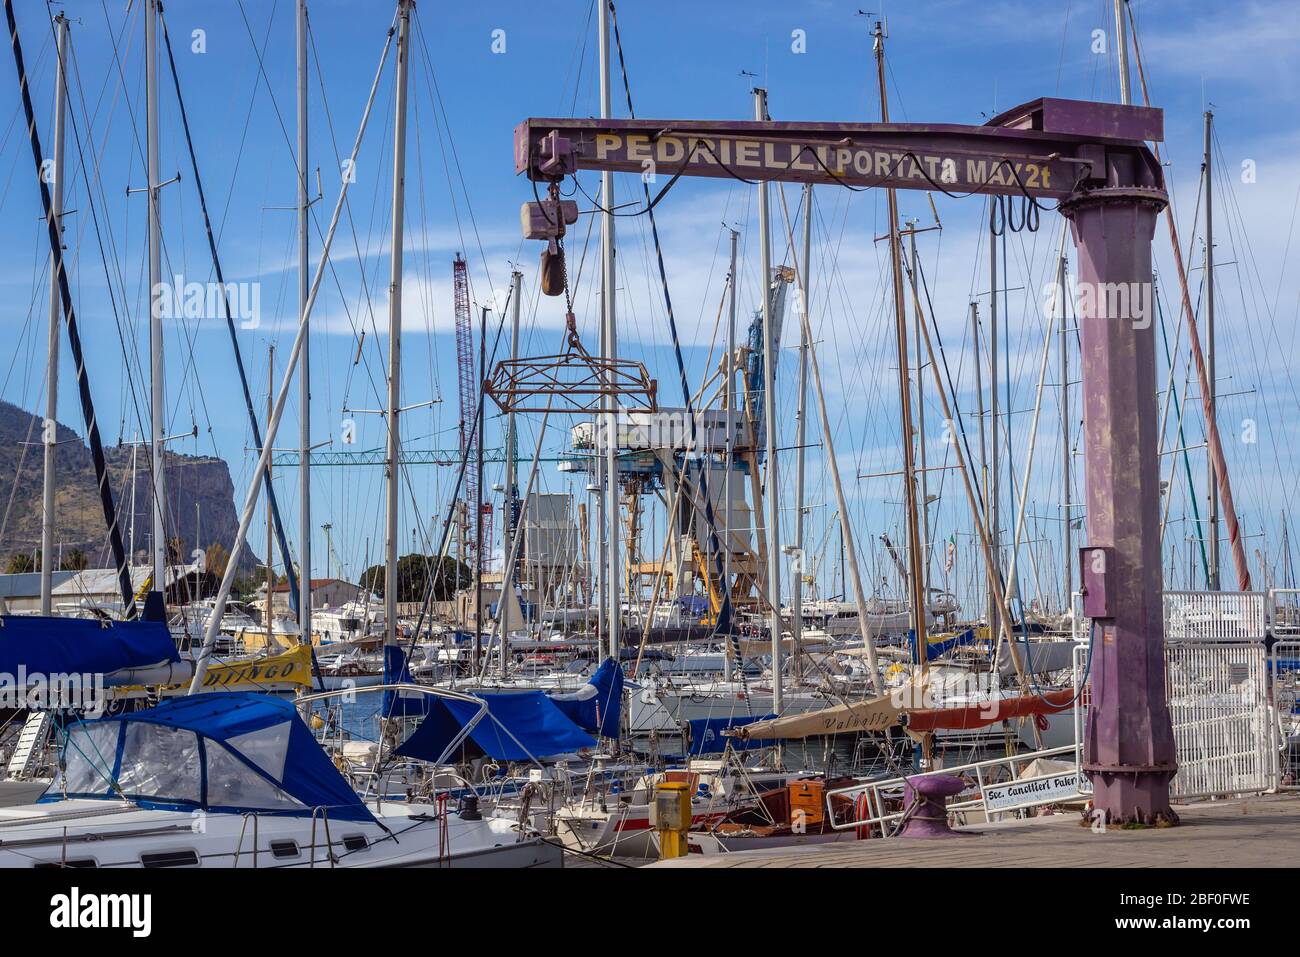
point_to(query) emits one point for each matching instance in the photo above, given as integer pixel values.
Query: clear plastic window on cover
(231, 783)
(89, 755)
(160, 763)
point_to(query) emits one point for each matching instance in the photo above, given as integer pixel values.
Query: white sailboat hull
(104, 834)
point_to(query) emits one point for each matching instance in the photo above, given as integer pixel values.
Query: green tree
(75, 561)
(21, 563)
(415, 573)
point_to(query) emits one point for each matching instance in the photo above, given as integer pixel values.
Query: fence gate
(1216, 677)
(1284, 670)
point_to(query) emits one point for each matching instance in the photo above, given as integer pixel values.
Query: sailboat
(237, 780)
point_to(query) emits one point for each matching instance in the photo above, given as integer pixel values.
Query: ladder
(31, 745)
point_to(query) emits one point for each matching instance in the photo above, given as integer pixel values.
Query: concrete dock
(1262, 831)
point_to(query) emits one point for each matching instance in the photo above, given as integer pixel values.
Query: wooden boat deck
(1261, 831)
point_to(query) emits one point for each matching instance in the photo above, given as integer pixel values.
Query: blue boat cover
(693, 604)
(231, 752)
(707, 736)
(527, 608)
(936, 649)
(597, 707)
(519, 726)
(398, 704)
(52, 646)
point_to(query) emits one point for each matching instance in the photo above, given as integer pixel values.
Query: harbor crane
(1093, 161)
(469, 398)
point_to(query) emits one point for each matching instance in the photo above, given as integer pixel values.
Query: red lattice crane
(468, 395)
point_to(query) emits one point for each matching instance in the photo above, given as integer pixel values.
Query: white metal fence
(1216, 679)
(1284, 613)
(1235, 711)
(1214, 616)
(1284, 673)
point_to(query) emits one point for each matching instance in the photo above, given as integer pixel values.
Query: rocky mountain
(199, 494)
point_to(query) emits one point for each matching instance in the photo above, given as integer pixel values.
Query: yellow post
(670, 815)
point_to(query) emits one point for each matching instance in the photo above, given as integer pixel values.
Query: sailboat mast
(157, 382)
(771, 486)
(916, 594)
(1063, 349)
(609, 326)
(1212, 483)
(478, 492)
(920, 420)
(984, 457)
(511, 524)
(304, 381)
(1121, 37)
(49, 435)
(395, 323)
(995, 464)
(270, 540)
(135, 449)
(730, 397)
(801, 431)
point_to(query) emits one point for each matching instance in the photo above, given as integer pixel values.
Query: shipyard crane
(468, 402)
(1094, 161)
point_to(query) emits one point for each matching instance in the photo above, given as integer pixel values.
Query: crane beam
(1046, 149)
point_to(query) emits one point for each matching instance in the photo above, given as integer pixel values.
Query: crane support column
(1129, 739)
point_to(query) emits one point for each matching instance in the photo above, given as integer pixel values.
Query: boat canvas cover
(707, 735)
(874, 714)
(1039, 657)
(401, 703)
(983, 713)
(262, 673)
(596, 707)
(87, 646)
(518, 726)
(936, 646)
(231, 752)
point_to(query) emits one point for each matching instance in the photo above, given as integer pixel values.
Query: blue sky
(949, 61)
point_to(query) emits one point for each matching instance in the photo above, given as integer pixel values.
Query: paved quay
(1261, 831)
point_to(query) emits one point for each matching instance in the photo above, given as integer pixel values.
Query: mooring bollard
(923, 799)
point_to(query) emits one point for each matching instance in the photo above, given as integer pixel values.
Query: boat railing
(243, 828)
(324, 815)
(866, 796)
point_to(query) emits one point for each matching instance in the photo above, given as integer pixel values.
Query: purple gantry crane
(1093, 159)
